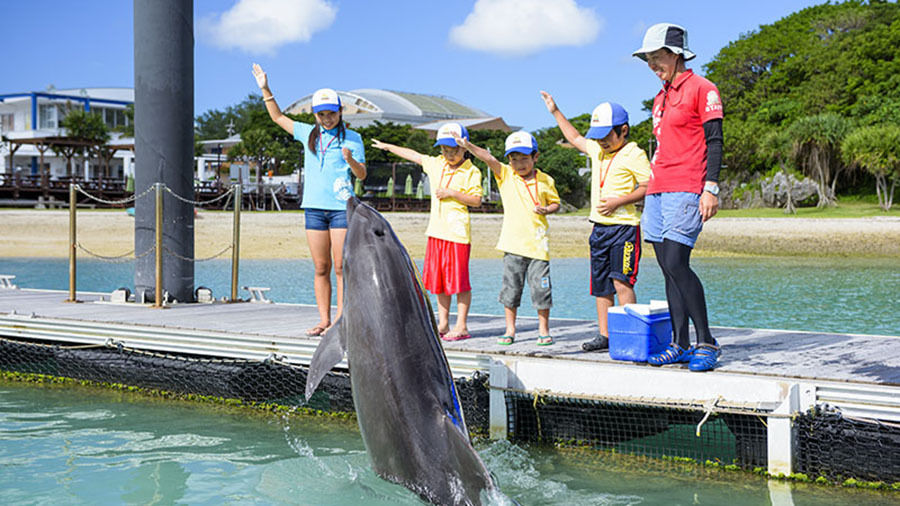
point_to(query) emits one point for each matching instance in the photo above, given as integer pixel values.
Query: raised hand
(379, 145)
(261, 80)
(463, 143)
(549, 102)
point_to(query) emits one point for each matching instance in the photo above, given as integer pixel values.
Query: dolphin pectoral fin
(329, 352)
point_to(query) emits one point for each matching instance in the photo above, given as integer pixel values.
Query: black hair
(618, 130)
(314, 135)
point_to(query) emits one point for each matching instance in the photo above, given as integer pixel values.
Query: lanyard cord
(450, 179)
(535, 201)
(323, 150)
(606, 172)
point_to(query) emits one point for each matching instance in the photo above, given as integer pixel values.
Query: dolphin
(406, 402)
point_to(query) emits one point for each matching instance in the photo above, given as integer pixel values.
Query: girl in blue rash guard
(331, 153)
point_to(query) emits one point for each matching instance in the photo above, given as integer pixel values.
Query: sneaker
(599, 343)
(674, 354)
(705, 358)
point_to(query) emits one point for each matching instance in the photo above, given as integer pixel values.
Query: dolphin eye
(379, 232)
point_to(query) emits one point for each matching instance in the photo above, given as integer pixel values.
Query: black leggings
(684, 292)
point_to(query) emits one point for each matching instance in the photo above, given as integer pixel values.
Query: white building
(31, 117)
(364, 107)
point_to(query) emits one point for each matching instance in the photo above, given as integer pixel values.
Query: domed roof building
(364, 107)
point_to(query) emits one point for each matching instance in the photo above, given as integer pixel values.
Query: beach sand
(44, 233)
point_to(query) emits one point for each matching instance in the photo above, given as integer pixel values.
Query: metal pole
(159, 246)
(393, 182)
(235, 245)
(72, 202)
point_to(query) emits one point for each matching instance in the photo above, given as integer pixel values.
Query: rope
(538, 392)
(198, 202)
(118, 259)
(645, 401)
(709, 410)
(186, 259)
(113, 202)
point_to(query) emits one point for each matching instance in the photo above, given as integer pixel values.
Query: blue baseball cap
(604, 118)
(325, 99)
(521, 142)
(445, 134)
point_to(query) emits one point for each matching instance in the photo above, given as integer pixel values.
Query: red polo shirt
(679, 111)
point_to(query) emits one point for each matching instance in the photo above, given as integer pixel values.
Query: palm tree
(876, 149)
(816, 142)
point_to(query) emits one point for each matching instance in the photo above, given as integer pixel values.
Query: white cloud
(523, 27)
(262, 26)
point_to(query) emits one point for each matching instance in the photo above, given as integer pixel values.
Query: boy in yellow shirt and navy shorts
(619, 174)
(455, 186)
(528, 195)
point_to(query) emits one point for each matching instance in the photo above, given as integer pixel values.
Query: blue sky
(494, 55)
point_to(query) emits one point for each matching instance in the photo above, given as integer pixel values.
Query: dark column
(164, 142)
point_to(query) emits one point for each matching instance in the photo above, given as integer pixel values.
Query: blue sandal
(674, 354)
(705, 358)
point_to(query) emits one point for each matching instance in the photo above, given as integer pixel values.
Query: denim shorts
(324, 219)
(672, 215)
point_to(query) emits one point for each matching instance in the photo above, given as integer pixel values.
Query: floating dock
(773, 378)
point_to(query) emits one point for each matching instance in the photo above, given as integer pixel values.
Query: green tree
(215, 123)
(87, 128)
(841, 58)
(816, 142)
(876, 149)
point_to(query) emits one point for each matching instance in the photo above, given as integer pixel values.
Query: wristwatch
(711, 188)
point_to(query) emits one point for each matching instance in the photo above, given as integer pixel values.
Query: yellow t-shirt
(619, 173)
(449, 218)
(525, 232)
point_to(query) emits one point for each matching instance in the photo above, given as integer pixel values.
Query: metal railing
(158, 248)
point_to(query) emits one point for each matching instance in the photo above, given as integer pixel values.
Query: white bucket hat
(665, 35)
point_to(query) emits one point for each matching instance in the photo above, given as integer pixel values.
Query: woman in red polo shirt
(683, 189)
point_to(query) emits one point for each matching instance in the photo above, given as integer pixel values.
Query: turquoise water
(858, 296)
(75, 445)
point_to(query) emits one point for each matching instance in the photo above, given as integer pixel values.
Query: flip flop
(449, 336)
(318, 330)
(506, 340)
(543, 340)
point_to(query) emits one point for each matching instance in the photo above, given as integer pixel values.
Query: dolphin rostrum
(406, 402)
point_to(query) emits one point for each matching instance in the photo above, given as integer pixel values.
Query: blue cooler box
(637, 331)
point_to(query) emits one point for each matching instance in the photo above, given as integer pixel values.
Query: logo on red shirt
(713, 103)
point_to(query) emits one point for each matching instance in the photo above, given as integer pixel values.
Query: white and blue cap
(665, 35)
(325, 99)
(445, 134)
(604, 118)
(521, 142)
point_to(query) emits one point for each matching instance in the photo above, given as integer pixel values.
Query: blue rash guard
(326, 183)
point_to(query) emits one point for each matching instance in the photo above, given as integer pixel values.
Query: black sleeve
(712, 129)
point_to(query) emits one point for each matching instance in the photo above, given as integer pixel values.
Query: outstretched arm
(568, 131)
(407, 154)
(269, 99)
(480, 153)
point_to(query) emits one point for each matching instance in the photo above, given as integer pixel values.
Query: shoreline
(280, 235)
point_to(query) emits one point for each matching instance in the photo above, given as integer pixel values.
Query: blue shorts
(615, 254)
(672, 215)
(323, 219)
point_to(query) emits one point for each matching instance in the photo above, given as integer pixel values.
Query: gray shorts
(515, 270)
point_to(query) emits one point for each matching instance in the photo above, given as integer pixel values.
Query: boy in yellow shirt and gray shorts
(528, 195)
(619, 174)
